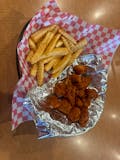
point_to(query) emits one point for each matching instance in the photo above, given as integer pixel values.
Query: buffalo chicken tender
(74, 114)
(70, 94)
(53, 101)
(79, 102)
(70, 91)
(80, 93)
(84, 117)
(86, 102)
(91, 93)
(33, 70)
(65, 106)
(29, 56)
(60, 89)
(75, 79)
(80, 69)
(85, 81)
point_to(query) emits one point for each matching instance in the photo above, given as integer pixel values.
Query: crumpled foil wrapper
(53, 123)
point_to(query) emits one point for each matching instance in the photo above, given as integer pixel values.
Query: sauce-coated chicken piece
(53, 101)
(74, 114)
(65, 106)
(80, 69)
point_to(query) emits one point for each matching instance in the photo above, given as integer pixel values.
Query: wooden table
(102, 142)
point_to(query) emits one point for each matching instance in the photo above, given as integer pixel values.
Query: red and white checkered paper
(101, 40)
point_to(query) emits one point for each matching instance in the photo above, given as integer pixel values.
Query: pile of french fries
(52, 49)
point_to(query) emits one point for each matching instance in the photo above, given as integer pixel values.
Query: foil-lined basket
(53, 123)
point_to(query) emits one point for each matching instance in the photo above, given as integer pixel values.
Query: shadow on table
(5, 107)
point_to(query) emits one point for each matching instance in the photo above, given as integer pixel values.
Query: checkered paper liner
(101, 40)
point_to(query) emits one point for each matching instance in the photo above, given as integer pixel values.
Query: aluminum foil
(45, 120)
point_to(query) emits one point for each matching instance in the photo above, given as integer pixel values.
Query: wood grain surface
(103, 141)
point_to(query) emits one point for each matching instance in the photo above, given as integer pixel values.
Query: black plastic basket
(19, 39)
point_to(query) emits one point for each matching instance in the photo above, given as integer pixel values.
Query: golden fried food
(60, 89)
(81, 44)
(75, 56)
(74, 114)
(91, 93)
(46, 60)
(50, 65)
(55, 75)
(55, 48)
(62, 64)
(59, 43)
(29, 56)
(33, 70)
(53, 101)
(32, 45)
(58, 51)
(40, 73)
(67, 36)
(65, 106)
(40, 33)
(66, 43)
(80, 69)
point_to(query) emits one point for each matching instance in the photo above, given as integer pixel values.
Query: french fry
(55, 75)
(33, 70)
(52, 44)
(36, 57)
(75, 55)
(66, 43)
(56, 62)
(51, 36)
(41, 48)
(68, 36)
(40, 33)
(50, 65)
(58, 51)
(46, 60)
(32, 44)
(40, 73)
(79, 45)
(29, 56)
(59, 43)
(72, 47)
(62, 64)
